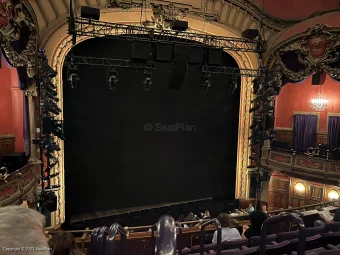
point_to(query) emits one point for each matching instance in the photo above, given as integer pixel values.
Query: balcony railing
(314, 168)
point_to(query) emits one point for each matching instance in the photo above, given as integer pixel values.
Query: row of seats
(282, 242)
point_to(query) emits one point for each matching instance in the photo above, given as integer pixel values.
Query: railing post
(166, 236)
(219, 236)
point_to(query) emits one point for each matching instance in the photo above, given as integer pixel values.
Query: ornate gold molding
(27, 57)
(7, 136)
(315, 49)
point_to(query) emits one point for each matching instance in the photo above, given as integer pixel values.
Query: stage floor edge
(116, 212)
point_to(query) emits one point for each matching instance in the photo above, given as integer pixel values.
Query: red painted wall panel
(293, 9)
(6, 120)
(11, 106)
(297, 98)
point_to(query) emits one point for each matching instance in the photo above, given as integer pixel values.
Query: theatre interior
(167, 127)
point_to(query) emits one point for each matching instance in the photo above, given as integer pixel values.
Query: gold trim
(7, 136)
(328, 115)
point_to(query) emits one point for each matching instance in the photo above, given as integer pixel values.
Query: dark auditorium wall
(111, 162)
(297, 98)
(11, 105)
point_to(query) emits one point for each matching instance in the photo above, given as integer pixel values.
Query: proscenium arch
(58, 45)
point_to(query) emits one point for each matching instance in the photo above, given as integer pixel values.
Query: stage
(117, 212)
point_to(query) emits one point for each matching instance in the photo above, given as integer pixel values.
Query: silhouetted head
(63, 243)
(256, 220)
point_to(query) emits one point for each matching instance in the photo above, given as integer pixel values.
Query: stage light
(49, 177)
(59, 133)
(255, 108)
(52, 147)
(72, 75)
(49, 168)
(253, 159)
(47, 69)
(233, 84)
(50, 156)
(52, 187)
(147, 80)
(256, 86)
(112, 78)
(267, 108)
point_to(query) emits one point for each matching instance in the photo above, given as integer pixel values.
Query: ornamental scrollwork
(315, 49)
(19, 18)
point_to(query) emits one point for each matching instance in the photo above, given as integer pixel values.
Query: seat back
(287, 236)
(315, 231)
(206, 248)
(256, 240)
(233, 244)
(330, 238)
(312, 242)
(278, 248)
(332, 227)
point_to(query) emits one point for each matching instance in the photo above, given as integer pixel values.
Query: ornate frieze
(18, 17)
(315, 49)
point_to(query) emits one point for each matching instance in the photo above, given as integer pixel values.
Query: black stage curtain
(113, 161)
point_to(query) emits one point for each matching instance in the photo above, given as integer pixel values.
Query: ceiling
(297, 9)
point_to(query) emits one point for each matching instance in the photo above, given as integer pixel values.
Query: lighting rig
(90, 25)
(266, 87)
(51, 133)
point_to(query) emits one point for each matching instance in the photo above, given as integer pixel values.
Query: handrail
(219, 236)
(276, 219)
(114, 229)
(205, 220)
(166, 238)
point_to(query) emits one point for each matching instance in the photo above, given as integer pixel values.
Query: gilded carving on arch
(316, 49)
(19, 17)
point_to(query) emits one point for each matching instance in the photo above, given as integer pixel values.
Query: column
(31, 94)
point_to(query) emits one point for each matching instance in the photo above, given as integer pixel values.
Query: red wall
(297, 97)
(11, 106)
(297, 9)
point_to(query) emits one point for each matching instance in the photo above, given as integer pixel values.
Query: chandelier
(319, 103)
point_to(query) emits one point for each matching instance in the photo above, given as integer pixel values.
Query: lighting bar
(93, 28)
(108, 62)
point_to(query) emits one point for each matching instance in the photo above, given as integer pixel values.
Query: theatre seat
(310, 252)
(330, 238)
(207, 248)
(315, 231)
(277, 248)
(256, 240)
(233, 244)
(332, 227)
(287, 236)
(333, 247)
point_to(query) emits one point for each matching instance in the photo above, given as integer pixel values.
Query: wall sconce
(299, 187)
(333, 195)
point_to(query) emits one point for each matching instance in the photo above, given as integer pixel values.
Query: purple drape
(304, 131)
(334, 131)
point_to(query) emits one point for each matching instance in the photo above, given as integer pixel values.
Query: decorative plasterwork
(315, 48)
(20, 16)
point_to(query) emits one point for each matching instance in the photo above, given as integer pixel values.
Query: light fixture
(112, 78)
(206, 82)
(319, 103)
(147, 80)
(333, 195)
(299, 187)
(72, 75)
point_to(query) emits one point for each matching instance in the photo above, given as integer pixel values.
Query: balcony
(299, 165)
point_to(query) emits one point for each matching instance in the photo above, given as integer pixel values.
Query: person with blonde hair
(22, 231)
(63, 243)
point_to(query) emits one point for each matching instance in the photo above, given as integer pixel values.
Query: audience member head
(63, 243)
(190, 214)
(264, 208)
(207, 214)
(22, 227)
(256, 220)
(224, 220)
(250, 205)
